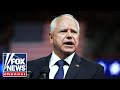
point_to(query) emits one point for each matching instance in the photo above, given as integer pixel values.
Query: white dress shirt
(54, 68)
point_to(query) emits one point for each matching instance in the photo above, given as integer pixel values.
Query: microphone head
(44, 74)
(29, 74)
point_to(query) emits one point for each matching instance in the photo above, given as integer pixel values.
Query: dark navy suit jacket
(79, 68)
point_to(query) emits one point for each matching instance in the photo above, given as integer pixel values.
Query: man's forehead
(64, 24)
(64, 18)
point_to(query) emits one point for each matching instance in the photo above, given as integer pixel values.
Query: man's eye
(62, 31)
(74, 32)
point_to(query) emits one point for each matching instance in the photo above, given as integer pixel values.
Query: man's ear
(51, 37)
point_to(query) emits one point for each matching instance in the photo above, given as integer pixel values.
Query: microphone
(29, 75)
(44, 74)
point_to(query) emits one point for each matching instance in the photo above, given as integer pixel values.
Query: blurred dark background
(26, 31)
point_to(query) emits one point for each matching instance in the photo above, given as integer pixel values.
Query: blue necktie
(60, 72)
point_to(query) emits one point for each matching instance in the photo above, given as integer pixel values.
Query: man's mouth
(69, 43)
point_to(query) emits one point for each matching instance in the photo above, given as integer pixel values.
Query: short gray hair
(53, 23)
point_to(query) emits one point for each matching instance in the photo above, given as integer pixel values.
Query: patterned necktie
(60, 72)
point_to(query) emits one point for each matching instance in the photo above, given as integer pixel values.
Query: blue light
(103, 64)
(111, 67)
(1, 69)
(114, 68)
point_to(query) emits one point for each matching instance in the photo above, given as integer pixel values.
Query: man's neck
(63, 55)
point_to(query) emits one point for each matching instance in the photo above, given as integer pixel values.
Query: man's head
(64, 34)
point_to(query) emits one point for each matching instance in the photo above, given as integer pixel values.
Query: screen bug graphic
(14, 64)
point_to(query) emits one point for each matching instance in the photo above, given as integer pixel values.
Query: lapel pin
(77, 65)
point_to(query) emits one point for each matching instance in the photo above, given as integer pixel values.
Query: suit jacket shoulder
(94, 68)
(82, 68)
(36, 66)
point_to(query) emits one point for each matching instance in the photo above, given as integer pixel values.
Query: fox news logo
(14, 64)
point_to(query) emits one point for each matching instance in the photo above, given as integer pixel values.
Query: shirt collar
(54, 58)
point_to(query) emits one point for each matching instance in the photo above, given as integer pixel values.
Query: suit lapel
(46, 61)
(74, 67)
(44, 66)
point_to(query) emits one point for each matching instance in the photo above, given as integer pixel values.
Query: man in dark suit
(64, 36)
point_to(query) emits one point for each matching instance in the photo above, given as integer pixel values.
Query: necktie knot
(60, 63)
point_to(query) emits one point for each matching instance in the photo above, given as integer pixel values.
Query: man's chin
(69, 51)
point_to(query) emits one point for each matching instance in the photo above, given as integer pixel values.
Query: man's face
(65, 37)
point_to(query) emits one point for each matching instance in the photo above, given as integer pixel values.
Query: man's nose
(69, 35)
